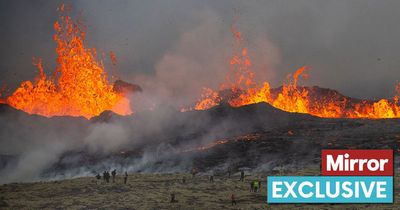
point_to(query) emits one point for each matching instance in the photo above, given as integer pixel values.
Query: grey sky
(351, 46)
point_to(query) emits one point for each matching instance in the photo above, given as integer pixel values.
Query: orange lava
(291, 97)
(79, 85)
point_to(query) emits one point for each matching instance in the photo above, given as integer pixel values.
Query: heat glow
(78, 86)
(244, 90)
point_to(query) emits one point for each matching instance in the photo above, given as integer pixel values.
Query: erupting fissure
(79, 85)
(243, 90)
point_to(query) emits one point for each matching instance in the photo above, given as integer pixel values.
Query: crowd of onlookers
(255, 185)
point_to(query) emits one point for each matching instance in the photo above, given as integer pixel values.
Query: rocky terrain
(50, 163)
(258, 137)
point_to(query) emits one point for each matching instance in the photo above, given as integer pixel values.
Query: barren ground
(152, 191)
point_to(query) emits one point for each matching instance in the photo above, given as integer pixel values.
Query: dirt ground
(153, 191)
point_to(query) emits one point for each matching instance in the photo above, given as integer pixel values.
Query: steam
(200, 58)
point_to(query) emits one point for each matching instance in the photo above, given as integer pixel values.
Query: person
(252, 186)
(242, 176)
(125, 177)
(113, 173)
(173, 200)
(255, 185)
(105, 176)
(229, 173)
(233, 199)
(194, 172)
(212, 178)
(98, 177)
(184, 180)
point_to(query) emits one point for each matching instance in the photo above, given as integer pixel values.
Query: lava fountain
(78, 86)
(241, 89)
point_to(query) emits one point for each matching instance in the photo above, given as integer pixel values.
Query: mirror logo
(348, 176)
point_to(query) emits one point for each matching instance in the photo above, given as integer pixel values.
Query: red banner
(357, 162)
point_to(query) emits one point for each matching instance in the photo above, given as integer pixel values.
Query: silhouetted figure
(125, 177)
(98, 176)
(105, 176)
(242, 176)
(173, 200)
(194, 172)
(251, 186)
(184, 180)
(233, 199)
(212, 178)
(113, 173)
(229, 173)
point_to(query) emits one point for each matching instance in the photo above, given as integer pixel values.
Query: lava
(79, 85)
(243, 90)
(242, 138)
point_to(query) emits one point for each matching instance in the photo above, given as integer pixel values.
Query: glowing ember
(291, 98)
(244, 138)
(79, 85)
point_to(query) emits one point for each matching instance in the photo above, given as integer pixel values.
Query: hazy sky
(352, 46)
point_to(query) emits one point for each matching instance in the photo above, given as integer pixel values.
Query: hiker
(255, 186)
(125, 177)
(242, 176)
(173, 200)
(98, 177)
(194, 172)
(184, 180)
(233, 199)
(113, 173)
(251, 186)
(212, 178)
(107, 176)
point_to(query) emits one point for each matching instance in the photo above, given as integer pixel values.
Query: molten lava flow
(210, 99)
(79, 85)
(240, 89)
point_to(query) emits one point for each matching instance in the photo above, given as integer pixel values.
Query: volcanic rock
(257, 136)
(126, 88)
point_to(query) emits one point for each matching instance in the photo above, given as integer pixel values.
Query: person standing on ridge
(113, 173)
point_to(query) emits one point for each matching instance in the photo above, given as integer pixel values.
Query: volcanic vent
(79, 85)
(240, 88)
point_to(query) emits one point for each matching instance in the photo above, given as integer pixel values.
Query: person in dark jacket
(173, 200)
(98, 178)
(113, 173)
(105, 176)
(125, 177)
(242, 176)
